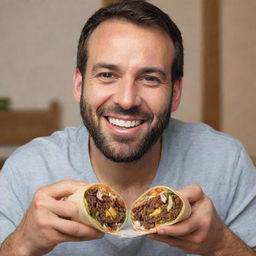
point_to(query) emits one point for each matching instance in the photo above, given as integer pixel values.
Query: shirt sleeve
(11, 211)
(241, 217)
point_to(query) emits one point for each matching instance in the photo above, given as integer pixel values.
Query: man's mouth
(124, 123)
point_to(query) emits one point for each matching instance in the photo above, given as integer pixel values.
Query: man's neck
(128, 179)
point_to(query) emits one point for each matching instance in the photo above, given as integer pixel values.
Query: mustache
(134, 111)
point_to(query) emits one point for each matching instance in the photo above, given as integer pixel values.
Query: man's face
(126, 97)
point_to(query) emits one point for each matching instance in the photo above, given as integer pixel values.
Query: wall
(238, 61)
(38, 51)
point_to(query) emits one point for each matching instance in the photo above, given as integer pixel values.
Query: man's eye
(106, 75)
(150, 80)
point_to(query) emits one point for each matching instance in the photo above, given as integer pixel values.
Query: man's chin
(121, 151)
(123, 158)
(124, 140)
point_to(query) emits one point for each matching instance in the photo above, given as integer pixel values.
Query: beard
(113, 149)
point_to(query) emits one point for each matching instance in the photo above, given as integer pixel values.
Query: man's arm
(232, 245)
(203, 233)
(45, 223)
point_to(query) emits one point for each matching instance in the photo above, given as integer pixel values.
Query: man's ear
(176, 95)
(77, 84)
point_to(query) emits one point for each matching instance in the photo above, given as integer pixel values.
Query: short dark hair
(140, 13)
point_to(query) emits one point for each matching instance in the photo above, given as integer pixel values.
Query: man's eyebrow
(141, 71)
(153, 70)
(105, 65)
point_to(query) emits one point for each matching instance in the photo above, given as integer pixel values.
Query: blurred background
(38, 56)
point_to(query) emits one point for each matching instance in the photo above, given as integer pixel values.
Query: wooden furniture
(211, 109)
(20, 126)
(1, 163)
(254, 160)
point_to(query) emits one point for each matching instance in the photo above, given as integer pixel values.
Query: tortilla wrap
(105, 197)
(159, 206)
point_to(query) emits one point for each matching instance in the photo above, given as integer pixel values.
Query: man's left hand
(203, 232)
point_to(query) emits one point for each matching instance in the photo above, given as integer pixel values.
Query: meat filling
(108, 210)
(154, 211)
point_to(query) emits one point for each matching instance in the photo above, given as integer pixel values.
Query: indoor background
(38, 51)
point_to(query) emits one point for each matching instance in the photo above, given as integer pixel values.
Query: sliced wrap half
(101, 207)
(157, 207)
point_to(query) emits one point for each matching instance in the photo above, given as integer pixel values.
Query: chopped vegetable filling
(108, 210)
(157, 210)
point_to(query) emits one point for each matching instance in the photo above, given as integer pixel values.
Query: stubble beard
(111, 150)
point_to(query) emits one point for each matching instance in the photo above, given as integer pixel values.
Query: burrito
(157, 207)
(101, 207)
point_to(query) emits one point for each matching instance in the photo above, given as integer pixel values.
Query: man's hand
(47, 223)
(203, 233)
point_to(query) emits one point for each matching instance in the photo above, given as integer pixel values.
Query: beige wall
(37, 53)
(238, 66)
(38, 47)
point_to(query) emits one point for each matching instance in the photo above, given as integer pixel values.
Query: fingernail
(161, 232)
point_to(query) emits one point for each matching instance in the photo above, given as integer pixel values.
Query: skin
(131, 49)
(203, 233)
(117, 84)
(42, 228)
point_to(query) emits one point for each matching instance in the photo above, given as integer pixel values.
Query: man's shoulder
(201, 133)
(57, 139)
(200, 141)
(48, 147)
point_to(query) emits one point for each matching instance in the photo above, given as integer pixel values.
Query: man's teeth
(125, 124)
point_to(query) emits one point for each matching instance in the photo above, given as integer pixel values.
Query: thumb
(192, 193)
(63, 188)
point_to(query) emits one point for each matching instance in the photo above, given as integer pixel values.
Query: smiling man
(128, 81)
(126, 100)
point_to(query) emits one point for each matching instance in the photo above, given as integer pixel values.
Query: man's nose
(127, 94)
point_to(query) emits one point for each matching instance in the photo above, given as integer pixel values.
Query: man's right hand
(47, 223)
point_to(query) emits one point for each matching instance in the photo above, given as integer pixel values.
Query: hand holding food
(202, 233)
(47, 222)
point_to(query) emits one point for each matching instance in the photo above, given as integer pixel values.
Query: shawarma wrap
(157, 207)
(101, 207)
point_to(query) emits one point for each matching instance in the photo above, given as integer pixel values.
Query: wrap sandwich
(101, 207)
(157, 207)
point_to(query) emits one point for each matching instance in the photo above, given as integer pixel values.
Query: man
(128, 81)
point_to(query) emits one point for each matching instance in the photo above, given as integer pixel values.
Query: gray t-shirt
(191, 154)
